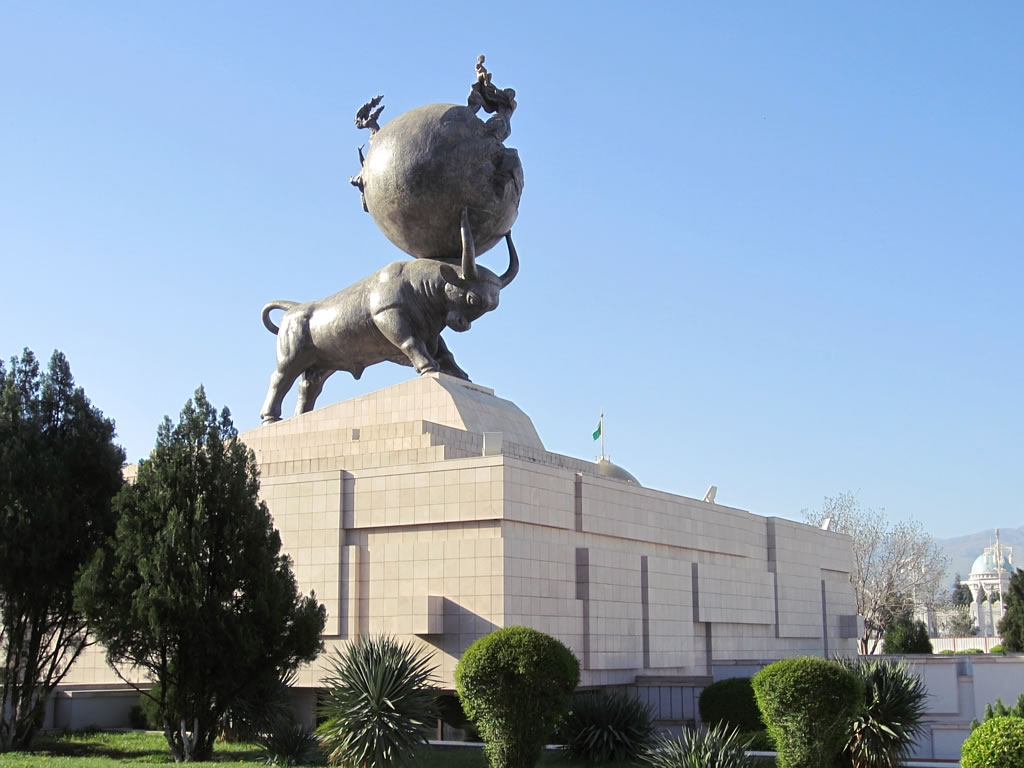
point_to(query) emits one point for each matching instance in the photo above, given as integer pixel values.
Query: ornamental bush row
(842, 712)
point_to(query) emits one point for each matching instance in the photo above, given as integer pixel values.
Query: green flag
(597, 432)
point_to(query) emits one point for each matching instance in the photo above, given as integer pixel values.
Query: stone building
(431, 510)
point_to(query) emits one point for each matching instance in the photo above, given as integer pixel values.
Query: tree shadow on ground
(126, 747)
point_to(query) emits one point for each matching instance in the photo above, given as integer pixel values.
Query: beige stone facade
(406, 518)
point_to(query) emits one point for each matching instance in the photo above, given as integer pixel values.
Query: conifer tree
(1011, 628)
(193, 589)
(961, 593)
(59, 469)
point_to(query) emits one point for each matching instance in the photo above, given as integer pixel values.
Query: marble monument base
(430, 510)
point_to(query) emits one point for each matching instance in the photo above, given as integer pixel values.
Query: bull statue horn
(468, 249)
(513, 261)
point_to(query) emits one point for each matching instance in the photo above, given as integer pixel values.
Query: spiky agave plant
(379, 703)
(720, 746)
(603, 727)
(883, 735)
(289, 745)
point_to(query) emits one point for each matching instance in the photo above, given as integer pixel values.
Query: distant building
(990, 576)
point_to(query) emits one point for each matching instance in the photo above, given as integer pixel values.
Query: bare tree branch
(896, 564)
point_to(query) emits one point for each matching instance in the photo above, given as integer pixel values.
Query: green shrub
(514, 684)
(149, 704)
(808, 705)
(996, 743)
(732, 702)
(968, 651)
(996, 649)
(289, 745)
(947, 652)
(883, 734)
(137, 718)
(1011, 626)
(603, 727)
(907, 636)
(1001, 710)
(758, 741)
(719, 746)
(378, 704)
(450, 710)
(262, 707)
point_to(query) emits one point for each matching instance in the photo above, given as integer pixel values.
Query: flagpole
(602, 435)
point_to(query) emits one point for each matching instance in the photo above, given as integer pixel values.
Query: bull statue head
(476, 290)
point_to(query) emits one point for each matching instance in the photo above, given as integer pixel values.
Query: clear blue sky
(779, 244)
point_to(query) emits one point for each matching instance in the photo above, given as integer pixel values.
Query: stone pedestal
(431, 510)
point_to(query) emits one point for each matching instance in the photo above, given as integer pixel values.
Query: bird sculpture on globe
(442, 186)
(429, 163)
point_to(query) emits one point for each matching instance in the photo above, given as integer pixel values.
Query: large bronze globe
(428, 164)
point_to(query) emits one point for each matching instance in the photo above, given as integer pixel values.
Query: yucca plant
(719, 746)
(379, 703)
(883, 734)
(604, 727)
(290, 745)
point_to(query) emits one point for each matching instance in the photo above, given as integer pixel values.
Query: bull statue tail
(285, 305)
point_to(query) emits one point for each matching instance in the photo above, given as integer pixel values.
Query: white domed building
(990, 576)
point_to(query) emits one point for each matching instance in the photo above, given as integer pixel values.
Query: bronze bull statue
(395, 314)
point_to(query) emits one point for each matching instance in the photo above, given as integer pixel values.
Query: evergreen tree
(193, 589)
(961, 623)
(1011, 628)
(961, 593)
(59, 470)
(907, 636)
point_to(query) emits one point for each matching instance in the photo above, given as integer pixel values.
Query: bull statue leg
(281, 381)
(446, 361)
(397, 329)
(310, 387)
(293, 358)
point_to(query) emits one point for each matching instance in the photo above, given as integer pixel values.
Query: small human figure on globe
(501, 101)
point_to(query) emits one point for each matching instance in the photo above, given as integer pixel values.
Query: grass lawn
(91, 749)
(105, 750)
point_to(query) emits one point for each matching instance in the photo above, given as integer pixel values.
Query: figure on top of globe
(428, 164)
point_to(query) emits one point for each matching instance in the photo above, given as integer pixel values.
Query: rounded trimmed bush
(732, 702)
(808, 705)
(996, 743)
(996, 649)
(514, 684)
